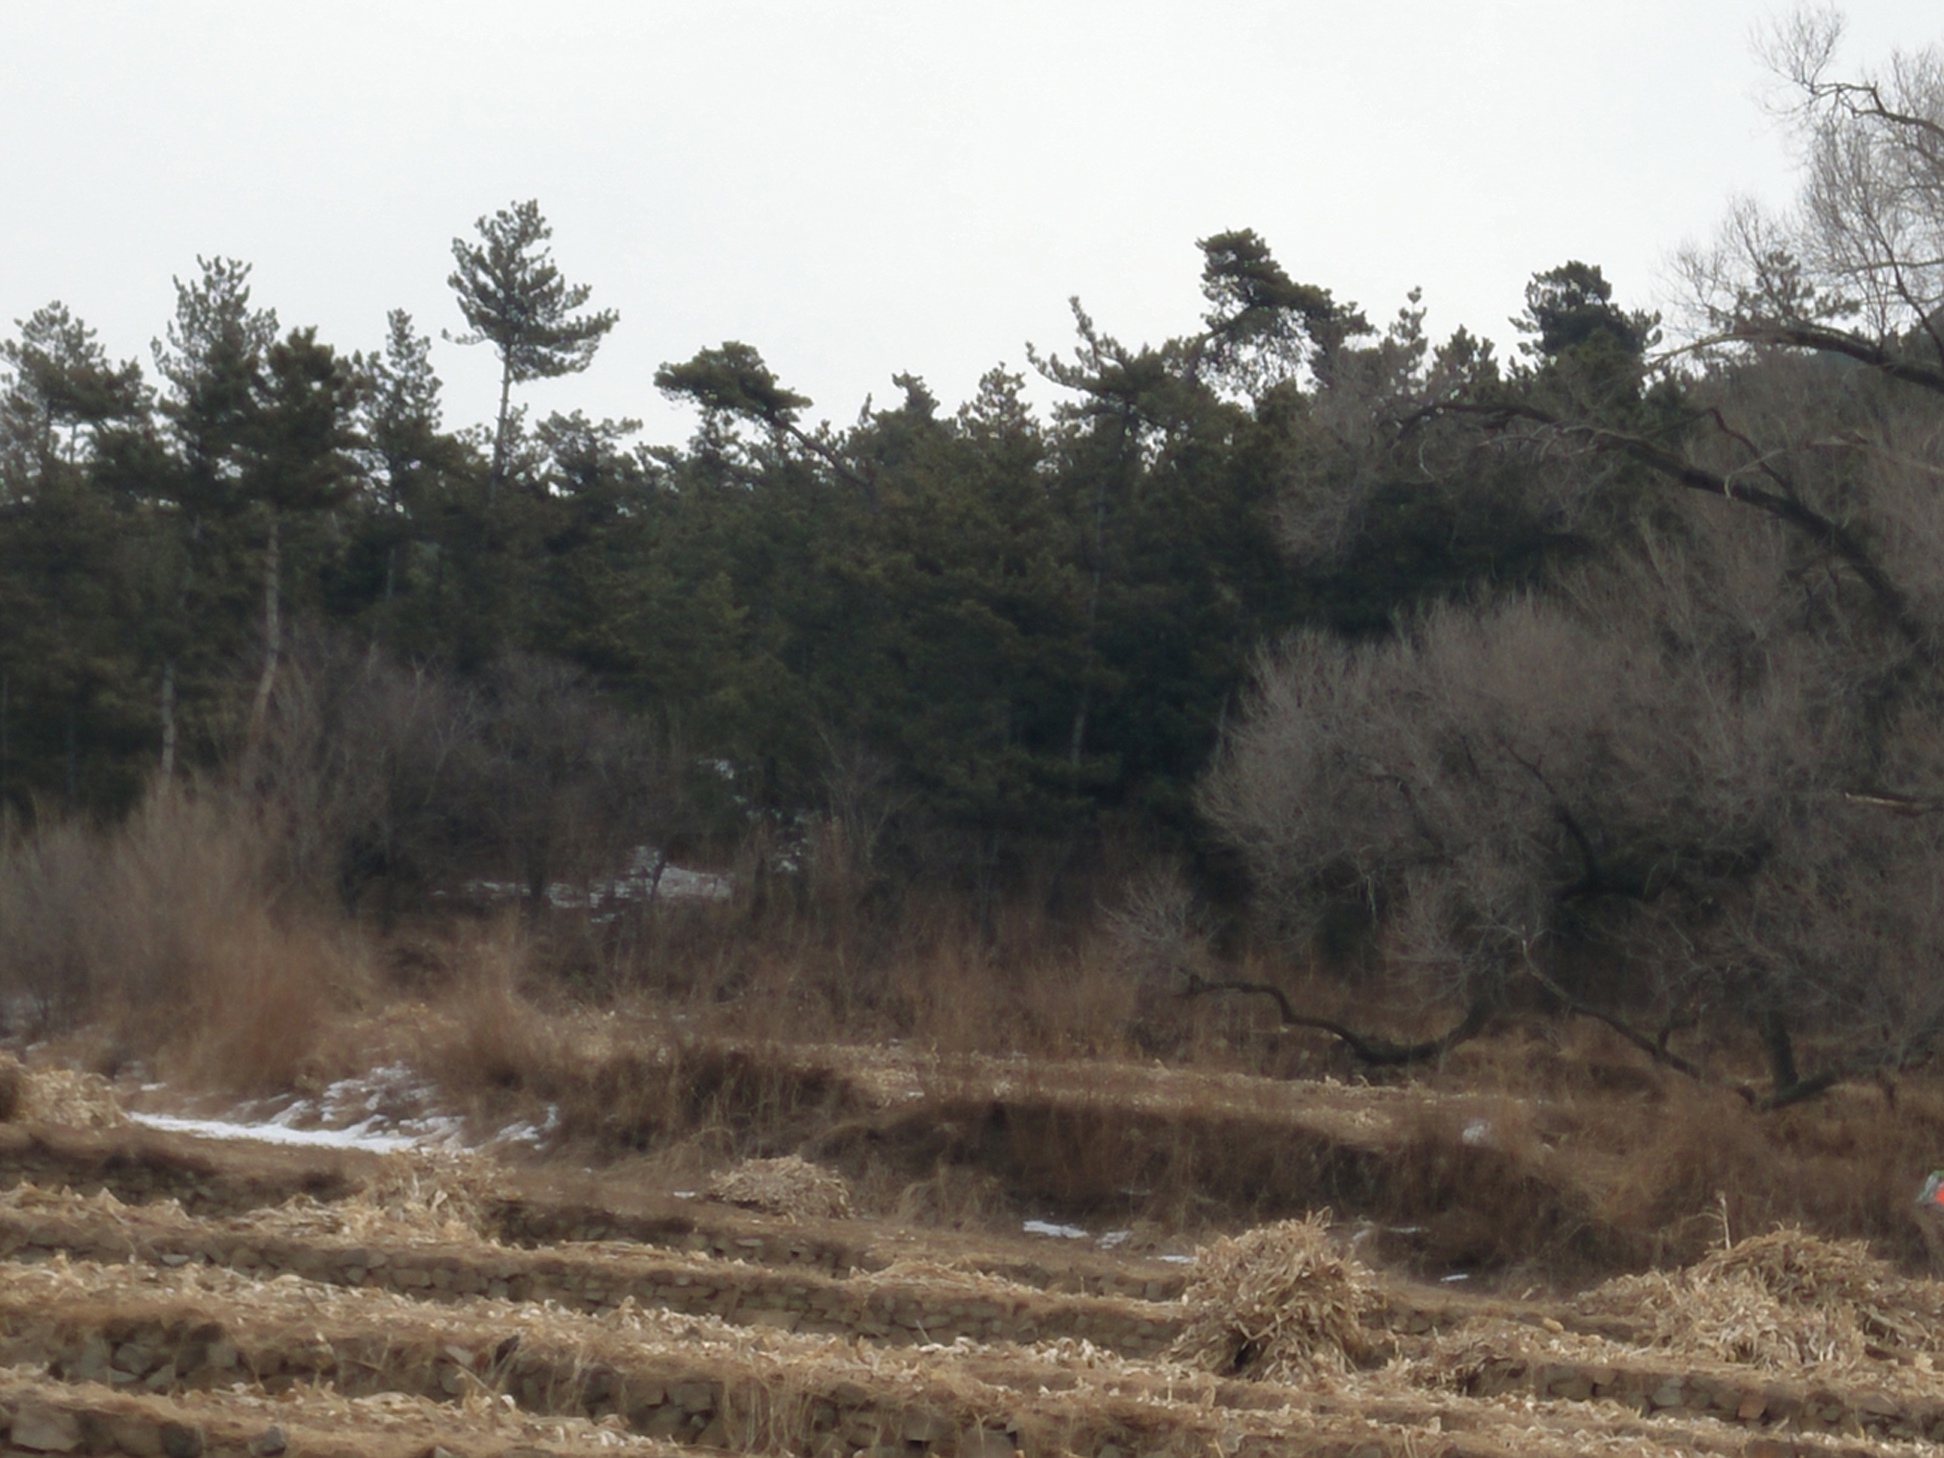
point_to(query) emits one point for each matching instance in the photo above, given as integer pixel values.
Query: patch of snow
(1114, 1239)
(387, 1109)
(1455, 1276)
(646, 876)
(355, 1137)
(1477, 1132)
(1179, 1260)
(1047, 1227)
(528, 1133)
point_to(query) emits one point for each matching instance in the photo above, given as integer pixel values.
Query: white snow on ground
(646, 877)
(1047, 1227)
(388, 1109)
(355, 1137)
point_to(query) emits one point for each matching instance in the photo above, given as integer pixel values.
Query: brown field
(734, 1241)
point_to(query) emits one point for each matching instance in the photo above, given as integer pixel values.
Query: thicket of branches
(1688, 770)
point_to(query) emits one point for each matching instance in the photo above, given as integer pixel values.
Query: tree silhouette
(515, 300)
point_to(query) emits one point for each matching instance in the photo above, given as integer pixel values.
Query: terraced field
(162, 1294)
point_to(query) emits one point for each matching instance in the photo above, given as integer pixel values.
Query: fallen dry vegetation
(763, 1194)
(169, 1295)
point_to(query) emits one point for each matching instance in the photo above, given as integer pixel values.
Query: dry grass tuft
(259, 1002)
(1276, 1304)
(66, 1097)
(1779, 1301)
(954, 1196)
(789, 1186)
(485, 1041)
(170, 926)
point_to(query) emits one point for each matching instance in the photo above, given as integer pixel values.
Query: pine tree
(515, 300)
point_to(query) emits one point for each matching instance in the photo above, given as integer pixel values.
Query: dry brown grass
(720, 1030)
(166, 932)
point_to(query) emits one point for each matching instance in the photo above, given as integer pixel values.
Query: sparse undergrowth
(956, 1074)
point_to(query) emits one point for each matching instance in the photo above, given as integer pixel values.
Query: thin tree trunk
(168, 718)
(272, 626)
(499, 433)
(72, 775)
(1077, 746)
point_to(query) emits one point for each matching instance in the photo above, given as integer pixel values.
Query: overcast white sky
(860, 189)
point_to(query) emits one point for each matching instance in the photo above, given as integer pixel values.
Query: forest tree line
(1609, 667)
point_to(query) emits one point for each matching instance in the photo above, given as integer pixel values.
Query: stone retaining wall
(805, 1299)
(656, 1393)
(1727, 1398)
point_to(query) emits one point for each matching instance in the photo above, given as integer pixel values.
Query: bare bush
(567, 785)
(1158, 931)
(364, 774)
(374, 775)
(1647, 792)
(169, 926)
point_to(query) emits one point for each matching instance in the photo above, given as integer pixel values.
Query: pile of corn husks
(788, 1186)
(61, 1096)
(1276, 1304)
(430, 1192)
(1780, 1301)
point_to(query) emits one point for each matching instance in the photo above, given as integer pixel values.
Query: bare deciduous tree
(1648, 791)
(1857, 267)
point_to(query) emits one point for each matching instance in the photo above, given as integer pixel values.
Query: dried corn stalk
(788, 1186)
(1780, 1301)
(1277, 1304)
(64, 1096)
(430, 1192)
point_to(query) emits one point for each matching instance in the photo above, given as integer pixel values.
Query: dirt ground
(852, 1270)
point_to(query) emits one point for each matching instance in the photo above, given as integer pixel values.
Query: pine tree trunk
(272, 626)
(499, 433)
(71, 774)
(168, 718)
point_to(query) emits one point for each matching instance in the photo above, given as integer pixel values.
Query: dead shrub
(488, 1043)
(168, 926)
(1157, 931)
(1603, 793)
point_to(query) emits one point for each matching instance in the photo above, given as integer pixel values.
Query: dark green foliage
(968, 645)
(735, 381)
(1571, 307)
(514, 299)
